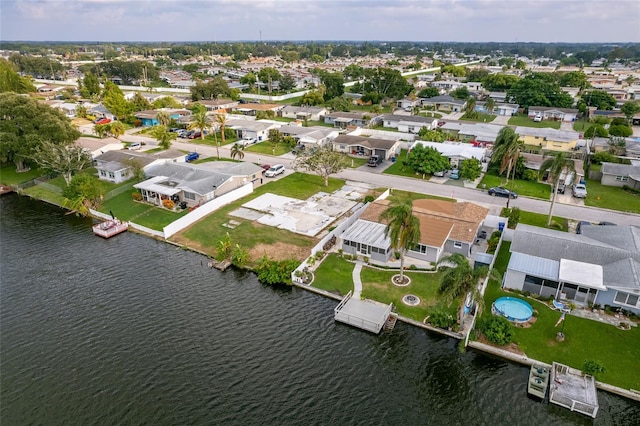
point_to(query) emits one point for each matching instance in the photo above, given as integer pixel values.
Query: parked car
(247, 141)
(265, 167)
(537, 118)
(194, 135)
(455, 174)
(183, 133)
(580, 190)
(374, 160)
(192, 156)
(441, 173)
(581, 225)
(134, 146)
(175, 130)
(275, 170)
(498, 191)
(103, 121)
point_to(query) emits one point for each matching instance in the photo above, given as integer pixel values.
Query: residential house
(252, 109)
(312, 113)
(506, 109)
(482, 133)
(614, 174)
(100, 111)
(446, 85)
(149, 118)
(600, 266)
(444, 103)
(456, 152)
(444, 227)
(347, 119)
(116, 166)
(408, 104)
(549, 139)
(310, 137)
(219, 104)
(96, 146)
(366, 146)
(247, 129)
(553, 113)
(195, 184)
(498, 96)
(408, 123)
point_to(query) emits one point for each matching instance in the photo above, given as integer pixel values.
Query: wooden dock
(221, 265)
(4, 189)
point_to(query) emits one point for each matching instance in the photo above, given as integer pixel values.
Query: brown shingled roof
(466, 217)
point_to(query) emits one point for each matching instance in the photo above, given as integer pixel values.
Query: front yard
(584, 340)
(521, 187)
(523, 120)
(268, 148)
(611, 197)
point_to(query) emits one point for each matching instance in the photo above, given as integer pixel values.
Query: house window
(457, 244)
(112, 175)
(343, 147)
(420, 248)
(626, 299)
(189, 196)
(622, 178)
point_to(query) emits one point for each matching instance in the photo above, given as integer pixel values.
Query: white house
(456, 152)
(312, 113)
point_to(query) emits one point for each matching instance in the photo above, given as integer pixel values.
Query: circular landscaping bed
(401, 282)
(411, 300)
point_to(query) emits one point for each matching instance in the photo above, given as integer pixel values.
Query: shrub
(368, 199)
(630, 189)
(593, 368)
(492, 243)
(498, 330)
(514, 217)
(275, 271)
(556, 225)
(136, 196)
(530, 175)
(168, 204)
(442, 319)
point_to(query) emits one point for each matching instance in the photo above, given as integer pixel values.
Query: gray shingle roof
(190, 177)
(366, 142)
(619, 169)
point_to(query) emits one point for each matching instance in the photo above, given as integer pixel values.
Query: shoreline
(482, 347)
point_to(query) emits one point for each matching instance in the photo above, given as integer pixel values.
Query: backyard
(334, 275)
(9, 175)
(125, 208)
(584, 340)
(521, 187)
(258, 239)
(523, 120)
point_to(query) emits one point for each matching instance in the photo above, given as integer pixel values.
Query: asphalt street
(374, 177)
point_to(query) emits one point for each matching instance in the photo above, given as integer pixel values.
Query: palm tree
(221, 120)
(163, 136)
(163, 118)
(507, 149)
(237, 150)
(200, 120)
(459, 278)
(557, 164)
(489, 105)
(470, 107)
(403, 229)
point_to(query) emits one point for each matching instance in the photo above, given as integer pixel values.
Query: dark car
(195, 135)
(499, 191)
(192, 156)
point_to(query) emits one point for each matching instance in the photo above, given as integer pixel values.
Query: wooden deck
(365, 314)
(572, 389)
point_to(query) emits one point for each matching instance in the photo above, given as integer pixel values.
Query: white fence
(207, 208)
(386, 134)
(147, 230)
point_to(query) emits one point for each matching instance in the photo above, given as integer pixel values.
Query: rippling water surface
(134, 331)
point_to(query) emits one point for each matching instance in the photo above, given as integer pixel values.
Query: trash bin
(500, 226)
(393, 159)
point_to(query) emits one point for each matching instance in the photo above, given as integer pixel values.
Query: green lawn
(267, 148)
(523, 120)
(9, 176)
(400, 195)
(355, 162)
(430, 114)
(582, 126)
(398, 169)
(481, 118)
(539, 219)
(334, 275)
(611, 197)
(41, 193)
(521, 187)
(152, 217)
(311, 123)
(584, 340)
(376, 285)
(205, 234)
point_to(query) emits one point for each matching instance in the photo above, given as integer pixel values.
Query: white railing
(343, 302)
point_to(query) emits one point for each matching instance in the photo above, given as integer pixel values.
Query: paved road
(374, 177)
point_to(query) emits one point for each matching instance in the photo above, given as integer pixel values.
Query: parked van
(374, 160)
(134, 145)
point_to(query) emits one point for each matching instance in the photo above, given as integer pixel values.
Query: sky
(386, 20)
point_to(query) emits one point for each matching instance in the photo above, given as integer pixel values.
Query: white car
(134, 146)
(274, 171)
(248, 141)
(537, 118)
(580, 190)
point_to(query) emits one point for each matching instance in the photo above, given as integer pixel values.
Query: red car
(103, 121)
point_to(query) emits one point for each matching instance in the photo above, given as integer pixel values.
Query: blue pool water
(513, 309)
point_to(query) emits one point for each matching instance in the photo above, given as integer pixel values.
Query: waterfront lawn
(523, 120)
(334, 275)
(584, 339)
(152, 217)
(521, 187)
(9, 176)
(267, 148)
(611, 197)
(376, 285)
(540, 219)
(39, 192)
(262, 239)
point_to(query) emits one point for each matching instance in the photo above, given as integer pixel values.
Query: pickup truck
(580, 190)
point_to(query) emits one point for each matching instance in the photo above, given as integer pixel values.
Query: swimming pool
(515, 310)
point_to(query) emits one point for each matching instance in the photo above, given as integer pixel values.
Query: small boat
(538, 381)
(109, 228)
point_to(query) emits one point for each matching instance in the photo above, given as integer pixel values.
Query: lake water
(135, 331)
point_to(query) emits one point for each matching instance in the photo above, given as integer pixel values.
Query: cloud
(427, 20)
